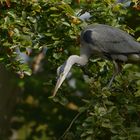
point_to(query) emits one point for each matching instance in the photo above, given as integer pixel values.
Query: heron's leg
(117, 70)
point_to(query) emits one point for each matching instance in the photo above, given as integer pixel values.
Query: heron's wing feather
(110, 40)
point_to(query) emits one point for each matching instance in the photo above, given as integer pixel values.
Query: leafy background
(37, 36)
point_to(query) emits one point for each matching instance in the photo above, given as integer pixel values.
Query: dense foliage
(46, 32)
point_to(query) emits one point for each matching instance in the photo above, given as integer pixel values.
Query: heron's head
(64, 69)
(62, 72)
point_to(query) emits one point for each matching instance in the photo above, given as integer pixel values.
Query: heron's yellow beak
(59, 82)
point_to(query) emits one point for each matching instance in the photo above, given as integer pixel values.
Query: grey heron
(106, 42)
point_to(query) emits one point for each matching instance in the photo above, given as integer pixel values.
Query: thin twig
(69, 127)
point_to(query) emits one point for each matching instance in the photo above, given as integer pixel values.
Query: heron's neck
(75, 59)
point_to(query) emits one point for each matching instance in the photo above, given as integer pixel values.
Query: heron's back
(108, 40)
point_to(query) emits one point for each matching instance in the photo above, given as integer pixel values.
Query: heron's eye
(60, 70)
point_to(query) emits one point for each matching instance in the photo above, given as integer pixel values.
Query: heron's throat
(81, 60)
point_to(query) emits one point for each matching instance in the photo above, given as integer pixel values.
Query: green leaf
(56, 55)
(137, 94)
(66, 23)
(12, 14)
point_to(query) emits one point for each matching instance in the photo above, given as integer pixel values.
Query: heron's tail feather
(134, 58)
